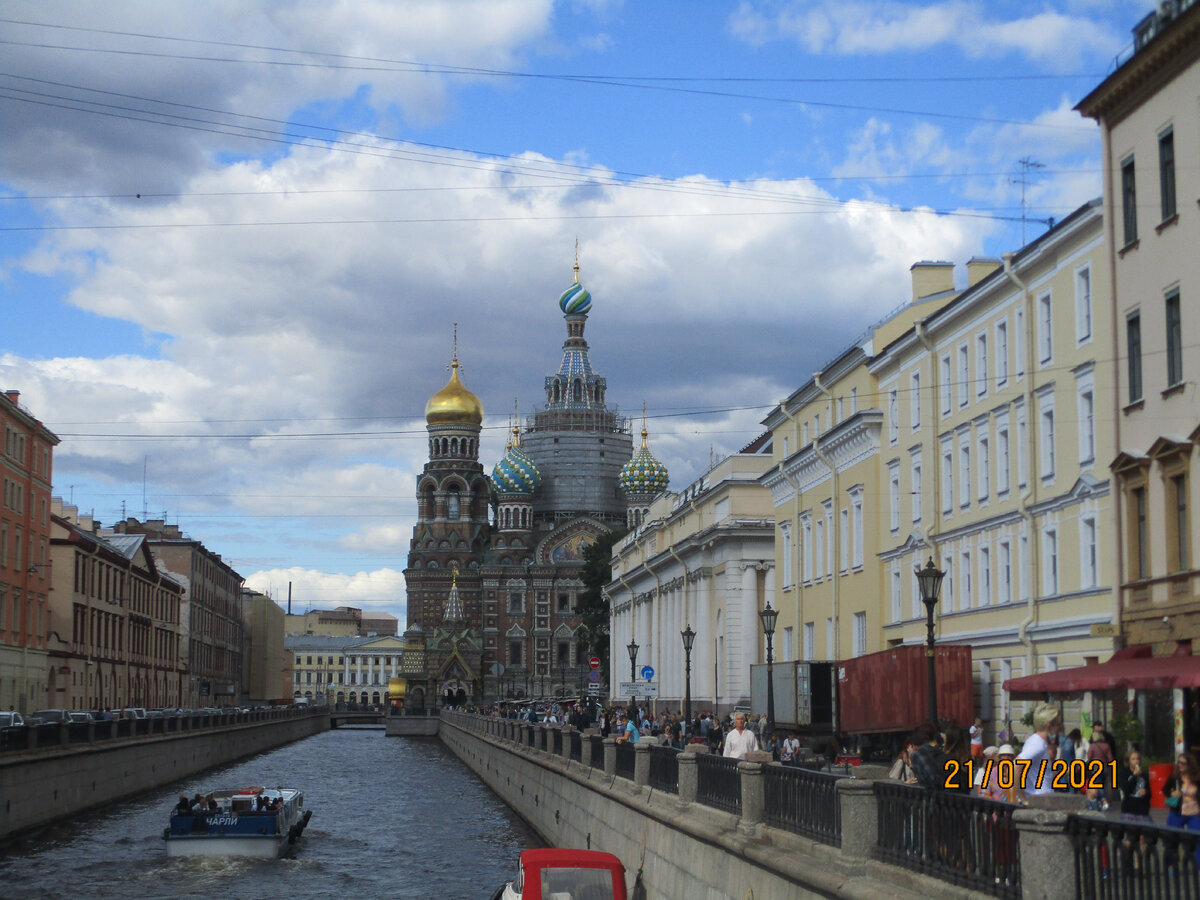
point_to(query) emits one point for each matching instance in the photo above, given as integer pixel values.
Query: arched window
(453, 508)
(454, 446)
(524, 518)
(507, 517)
(556, 394)
(578, 391)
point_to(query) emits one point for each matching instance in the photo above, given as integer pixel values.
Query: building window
(564, 603)
(819, 555)
(1045, 326)
(896, 599)
(964, 469)
(945, 385)
(947, 478)
(856, 529)
(894, 495)
(564, 653)
(810, 640)
(981, 364)
(860, 633)
(1133, 341)
(967, 586)
(514, 602)
(1166, 173)
(964, 374)
(789, 644)
(806, 553)
(853, 400)
(844, 550)
(894, 415)
(1083, 304)
(1022, 446)
(1177, 497)
(1004, 573)
(1088, 574)
(915, 401)
(1002, 458)
(1050, 569)
(785, 534)
(1129, 201)
(916, 488)
(1047, 440)
(1087, 427)
(1138, 551)
(984, 465)
(828, 505)
(514, 653)
(1174, 340)
(1001, 354)
(985, 576)
(1019, 345)
(948, 583)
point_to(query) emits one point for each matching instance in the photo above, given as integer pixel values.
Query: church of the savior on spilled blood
(494, 563)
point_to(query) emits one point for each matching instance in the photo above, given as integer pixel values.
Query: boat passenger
(184, 806)
(197, 803)
(210, 803)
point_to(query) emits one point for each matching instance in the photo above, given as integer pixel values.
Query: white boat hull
(266, 847)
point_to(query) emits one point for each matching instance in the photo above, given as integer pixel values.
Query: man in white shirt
(740, 740)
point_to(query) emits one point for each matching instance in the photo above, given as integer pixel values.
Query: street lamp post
(930, 581)
(768, 617)
(632, 647)
(688, 637)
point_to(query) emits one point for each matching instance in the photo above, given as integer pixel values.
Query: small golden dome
(454, 404)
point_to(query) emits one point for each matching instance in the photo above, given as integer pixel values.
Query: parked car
(78, 715)
(133, 712)
(50, 716)
(11, 720)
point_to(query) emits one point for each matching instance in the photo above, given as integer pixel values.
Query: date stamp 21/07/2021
(1076, 774)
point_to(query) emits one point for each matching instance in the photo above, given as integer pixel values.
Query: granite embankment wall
(52, 783)
(674, 849)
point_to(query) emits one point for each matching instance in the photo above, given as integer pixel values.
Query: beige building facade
(115, 635)
(704, 558)
(266, 664)
(1149, 114)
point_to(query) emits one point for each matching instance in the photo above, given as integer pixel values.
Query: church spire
(454, 607)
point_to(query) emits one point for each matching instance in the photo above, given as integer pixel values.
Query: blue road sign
(594, 675)
(648, 673)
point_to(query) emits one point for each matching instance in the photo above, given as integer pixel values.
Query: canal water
(392, 817)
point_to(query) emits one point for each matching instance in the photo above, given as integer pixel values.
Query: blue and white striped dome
(516, 473)
(575, 300)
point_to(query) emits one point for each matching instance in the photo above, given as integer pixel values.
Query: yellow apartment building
(992, 464)
(826, 491)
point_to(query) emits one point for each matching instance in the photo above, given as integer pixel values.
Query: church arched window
(555, 391)
(454, 446)
(578, 391)
(453, 507)
(507, 517)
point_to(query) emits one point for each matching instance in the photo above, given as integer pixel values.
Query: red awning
(1133, 668)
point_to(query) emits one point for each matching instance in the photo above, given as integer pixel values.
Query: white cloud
(381, 590)
(1056, 40)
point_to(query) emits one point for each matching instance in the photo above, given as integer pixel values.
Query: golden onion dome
(454, 404)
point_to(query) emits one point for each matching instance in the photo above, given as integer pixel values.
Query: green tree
(593, 603)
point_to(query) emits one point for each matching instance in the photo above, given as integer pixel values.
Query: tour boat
(562, 874)
(239, 825)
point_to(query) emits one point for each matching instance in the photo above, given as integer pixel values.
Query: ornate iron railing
(962, 839)
(1116, 859)
(626, 754)
(664, 769)
(804, 802)
(718, 783)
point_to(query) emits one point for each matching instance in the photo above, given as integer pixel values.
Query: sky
(235, 236)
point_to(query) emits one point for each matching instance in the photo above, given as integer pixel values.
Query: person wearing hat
(1005, 754)
(989, 756)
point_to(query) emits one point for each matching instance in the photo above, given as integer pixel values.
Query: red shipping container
(889, 690)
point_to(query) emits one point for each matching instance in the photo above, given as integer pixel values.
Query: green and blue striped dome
(516, 473)
(643, 475)
(575, 300)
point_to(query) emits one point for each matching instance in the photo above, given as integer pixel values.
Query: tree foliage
(593, 603)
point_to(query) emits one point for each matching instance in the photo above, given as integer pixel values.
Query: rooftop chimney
(979, 268)
(13, 396)
(929, 278)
